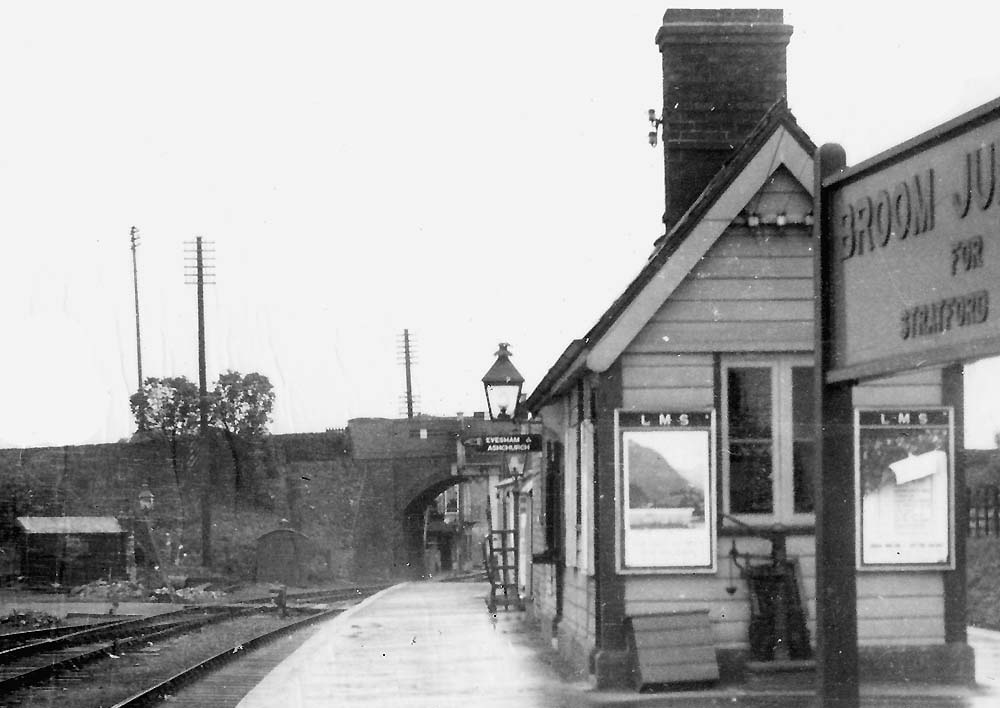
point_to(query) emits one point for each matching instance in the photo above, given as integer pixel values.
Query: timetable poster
(667, 500)
(904, 461)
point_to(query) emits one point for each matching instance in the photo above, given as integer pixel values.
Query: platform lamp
(503, 385)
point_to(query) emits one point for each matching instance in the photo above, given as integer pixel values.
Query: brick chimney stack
(722, 69)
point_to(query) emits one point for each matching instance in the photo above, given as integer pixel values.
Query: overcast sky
(475, 172)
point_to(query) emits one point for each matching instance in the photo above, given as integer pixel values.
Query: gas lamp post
(502, 384)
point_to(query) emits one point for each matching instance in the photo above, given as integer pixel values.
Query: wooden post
(954, 580)
(611, 660)
(836, 583)
(207, 489)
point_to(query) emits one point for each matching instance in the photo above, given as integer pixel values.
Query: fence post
(973, 495)
(995, 505)
(978, 499)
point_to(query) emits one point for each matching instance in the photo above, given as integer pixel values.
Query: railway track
(27, 636)
(238, 683)
(60, 658)
(35, 661)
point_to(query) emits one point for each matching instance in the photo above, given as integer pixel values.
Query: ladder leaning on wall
(500, 559)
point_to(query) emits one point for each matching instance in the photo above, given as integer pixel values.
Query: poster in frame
(666, 482)
(905, 488)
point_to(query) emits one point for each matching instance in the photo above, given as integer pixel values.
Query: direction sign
(518, 442)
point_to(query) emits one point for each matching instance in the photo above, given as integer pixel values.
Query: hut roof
(69, 524)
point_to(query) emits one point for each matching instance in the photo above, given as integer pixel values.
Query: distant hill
(653, 482)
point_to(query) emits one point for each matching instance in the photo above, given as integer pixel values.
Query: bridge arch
(428, 536)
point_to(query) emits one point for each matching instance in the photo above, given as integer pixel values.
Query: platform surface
(419, 644)
(435, 645)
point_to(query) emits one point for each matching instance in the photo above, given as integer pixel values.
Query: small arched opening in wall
(443, 527)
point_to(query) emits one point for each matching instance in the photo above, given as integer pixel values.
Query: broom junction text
(909, 209)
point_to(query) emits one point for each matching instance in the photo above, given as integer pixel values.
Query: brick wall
(722, 69)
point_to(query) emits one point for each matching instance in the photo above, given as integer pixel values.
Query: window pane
(750, 490)
(749, 403)
(802, 401)
(751, 447)
(803, 454)
(804, 434)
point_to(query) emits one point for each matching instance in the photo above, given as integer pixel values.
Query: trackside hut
(71, 550)
(717, 327)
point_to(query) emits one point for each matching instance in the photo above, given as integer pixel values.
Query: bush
(983, 574)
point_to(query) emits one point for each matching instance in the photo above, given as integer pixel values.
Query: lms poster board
(904, 461)
(915, 265)
(666, 491)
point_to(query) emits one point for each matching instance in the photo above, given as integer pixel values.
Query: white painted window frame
(569, 484)
(782, 478)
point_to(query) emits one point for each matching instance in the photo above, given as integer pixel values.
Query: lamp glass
(502, 399)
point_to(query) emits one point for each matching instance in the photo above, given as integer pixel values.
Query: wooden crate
(674, 647)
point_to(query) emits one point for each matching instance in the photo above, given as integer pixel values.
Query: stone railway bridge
(360, 493)
(405, 463)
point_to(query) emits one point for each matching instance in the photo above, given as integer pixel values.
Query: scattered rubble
(200, 593)
(114, 591)
(126, 590)
(28, 619)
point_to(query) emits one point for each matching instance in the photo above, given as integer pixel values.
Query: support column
(959, 656)
(836, 581)
(611, 660)
(953, 394)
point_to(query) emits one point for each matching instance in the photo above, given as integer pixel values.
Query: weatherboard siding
(893, 610)
(902, 608)
(577, 628)
(913, 388)
(755, 294)
(751, 292)
(729, 613)
(685, 381)
(781, 194)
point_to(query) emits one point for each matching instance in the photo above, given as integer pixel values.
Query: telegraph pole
(203, 456)
(134, 235)
(406, 352)
(409, 377)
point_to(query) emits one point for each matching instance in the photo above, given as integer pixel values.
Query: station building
(717, 326)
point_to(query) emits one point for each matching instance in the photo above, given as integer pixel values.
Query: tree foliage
(167, 407)
(22, 494)
(239, 408)
(241, 405)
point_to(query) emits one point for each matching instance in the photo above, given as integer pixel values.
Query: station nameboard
(916, 234)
